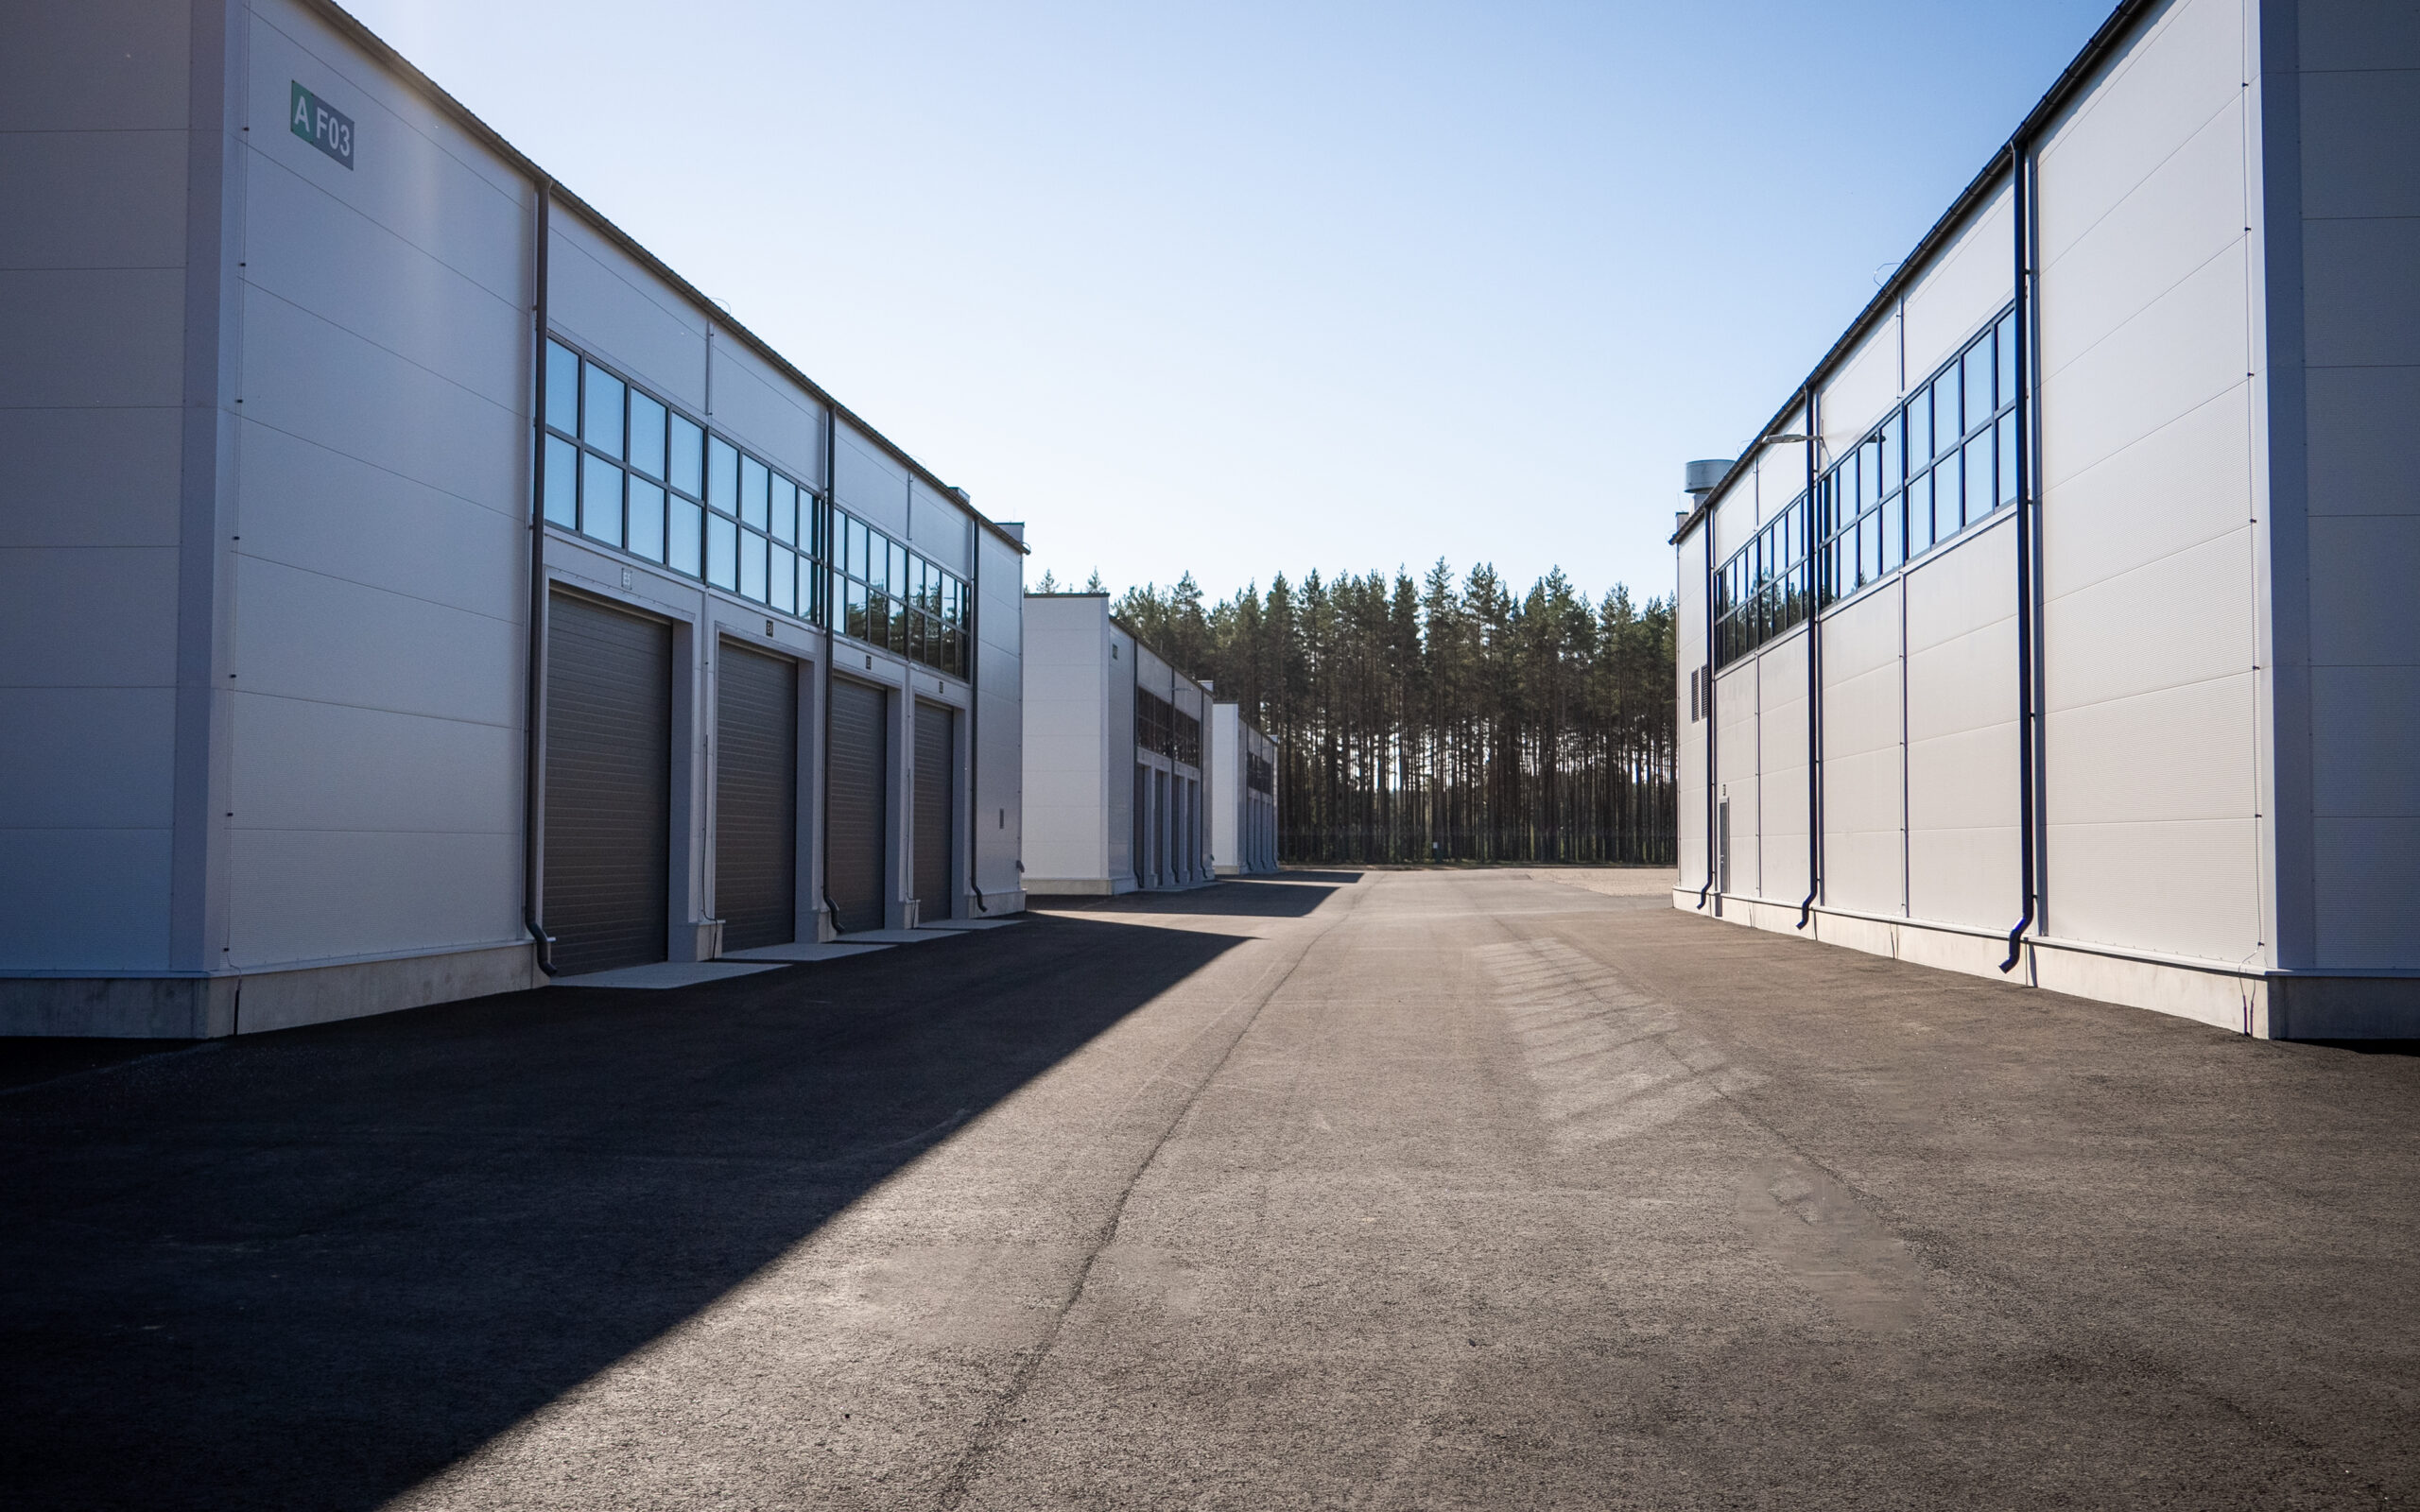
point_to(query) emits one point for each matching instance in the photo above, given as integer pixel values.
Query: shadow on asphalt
(1298, 894)
(309, 1269)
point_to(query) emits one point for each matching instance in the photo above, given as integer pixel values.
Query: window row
(898, 600)
(1260, 773)
(1944, 459)
(626, 469)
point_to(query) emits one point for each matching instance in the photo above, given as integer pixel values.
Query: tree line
(1429, 719)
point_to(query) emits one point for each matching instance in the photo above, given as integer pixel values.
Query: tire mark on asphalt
(992, 1430)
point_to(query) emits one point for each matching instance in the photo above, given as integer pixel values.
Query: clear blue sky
(1260, 287)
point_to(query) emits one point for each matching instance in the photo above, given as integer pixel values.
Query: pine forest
(1426, 720)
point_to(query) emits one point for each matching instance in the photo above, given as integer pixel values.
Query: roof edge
(1980, 187)
(385, 55)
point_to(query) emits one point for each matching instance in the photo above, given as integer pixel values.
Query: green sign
(329, 130)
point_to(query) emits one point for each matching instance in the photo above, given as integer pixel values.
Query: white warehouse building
(2060, 623)
(1120, 783)
(1243, 795)
(413, 587)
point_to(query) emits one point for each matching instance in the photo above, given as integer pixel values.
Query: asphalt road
(1347, 1190)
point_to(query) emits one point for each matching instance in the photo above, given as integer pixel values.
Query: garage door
(755, 797)
(936, 789)
(609, 785)
(860, 819)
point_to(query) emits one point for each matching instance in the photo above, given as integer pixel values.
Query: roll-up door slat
(755, 799)
(936, 786)
(856, 838)
(609, 786)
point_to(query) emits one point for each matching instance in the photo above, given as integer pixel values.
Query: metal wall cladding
(936, 799)
(1965, 287)
(858, 836)
(1963, 850)
(2149, 637)
(2363, 368)
(1864, 782)
(1734, 756)
(755, 797)
(609, 786)
(1782, 758)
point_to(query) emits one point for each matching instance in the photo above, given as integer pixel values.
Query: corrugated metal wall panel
(1962, 864)
(755, 797)
(936, 794)
(1864, 851)
(609, 786)
(857, 844)
(1781, 680)
(1735, 755)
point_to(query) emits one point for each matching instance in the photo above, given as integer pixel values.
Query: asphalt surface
(1384, 1190)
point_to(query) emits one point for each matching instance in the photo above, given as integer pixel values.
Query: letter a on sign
(329, 130)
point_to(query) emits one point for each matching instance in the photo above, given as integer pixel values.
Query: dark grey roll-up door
(755, 797)
(936, 790)
(609, 785)
(857, 833)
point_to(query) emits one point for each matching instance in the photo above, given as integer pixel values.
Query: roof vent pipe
(1702, 478)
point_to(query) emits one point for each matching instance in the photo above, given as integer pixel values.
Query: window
(895, 599)
(628, 471)
(1941, 461)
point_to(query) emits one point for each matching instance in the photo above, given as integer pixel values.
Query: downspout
(974, 708)
(830, 583)
(1707, 705)
(1814, 675)
(533, 774)
(2027, 777)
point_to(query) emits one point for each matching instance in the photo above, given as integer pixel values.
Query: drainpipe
(2026, 630)
(834, 544)
(533, 774)
(974, 704)
(1814, 676)
(1705, 705)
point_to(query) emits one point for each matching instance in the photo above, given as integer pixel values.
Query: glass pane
(647, 434)
(784, 512)
(722, 552)
(2007, 457)
(1978, 477)
(600, 410)
(1920, 515)
(722, 476)
(1945, 474)
(562, 389)
(899, 583)
(916, 636)
(2006, 339)
(1920, 429)
(1978, 383)
(781, 591)
(600, 500)
(684, 526)
(1869, 474)
(646, 518)
(1846, 500)
(689, 457)
(753, 480)
(563, 483)
(855, 624)
(1894, 468)
(753, 565)
(1944, 413)
(1893, 533)
(860, 563)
